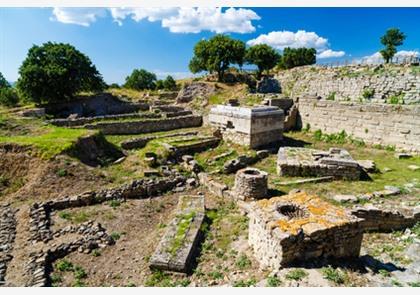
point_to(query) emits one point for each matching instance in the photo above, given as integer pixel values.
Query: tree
(55, 72)
(392, 38)
(3, 82)
(159, 84)
(294, 57)
(263, 56)
(140, 80)
(169, 83)
(216, 54)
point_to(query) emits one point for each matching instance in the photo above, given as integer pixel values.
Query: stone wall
(7, 238)
(147, 126)
(384, 124)
(349, 83)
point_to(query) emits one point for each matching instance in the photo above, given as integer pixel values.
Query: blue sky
(162, 40)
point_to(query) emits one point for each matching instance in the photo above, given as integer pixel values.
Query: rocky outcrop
(195, 90)
(268, 85)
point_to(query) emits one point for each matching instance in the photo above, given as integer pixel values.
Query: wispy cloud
(177, 20)
(301, 38)
(376, 58)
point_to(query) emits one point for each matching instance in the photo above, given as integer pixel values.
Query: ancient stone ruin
(178, 247)
(250, 183)
(336, 162)
(253, 127)
(297, 227)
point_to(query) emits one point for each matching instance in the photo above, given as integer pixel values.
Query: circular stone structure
(250, 183)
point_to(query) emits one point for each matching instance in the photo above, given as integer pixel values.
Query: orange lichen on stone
(320, 213)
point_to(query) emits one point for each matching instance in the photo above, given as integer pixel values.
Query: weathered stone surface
(250, 183)
(364, 121)
(402, 156)
(345, 198)
(195, 90)
(413, 167)
(307, 180)
(309, 162)
(298, 227)
(178, 247)
(253, 127)
(215, 187)
(367, 165)
(147, 126)
(7, 238)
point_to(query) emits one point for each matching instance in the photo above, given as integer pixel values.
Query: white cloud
(283, 39)
(376, 58)
(176, 75)
(177, 20)
(77, 16)
(330, 53)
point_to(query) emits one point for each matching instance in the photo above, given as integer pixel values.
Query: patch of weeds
(56, 280)
(114, 203)
(65, 215)
(414, 284)
(243, 262)
(115, 235)
(184, 222)
(62, 172)
(384, 273)
(273, 281)
(247, 283)
(334, 275)
(79, 273)
(307, 127)
(368, 93)
(331, 96)
(216, 275)
(65, 265)
(161, 225)
(80, 217)
(296, 274)
(96, 253)
(130, 284)
(183, 283)
(159, 278)
(390, 148)
(396, 283)
(396, 99)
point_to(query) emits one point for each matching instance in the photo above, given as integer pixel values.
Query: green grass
(243, 262)
(399, 176)
(273, 281)
(115, 235)
(334, 275)
(159, 278)
(75, 217)
(245, 283)
(64, 265)
(54, 141)
(296, 274)
(183, 224)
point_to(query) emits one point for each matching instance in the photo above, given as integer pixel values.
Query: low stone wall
(93, 236)
(178, 114)
(87, 120)
(242, 161)
(178, 246)
(397, 125)
(383, 220)
(7, 238)
(194, 147)
(217, 188)
(147, 126)
(138, 189)
(140, 142)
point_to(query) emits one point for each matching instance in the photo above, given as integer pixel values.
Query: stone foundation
(305, 162)
(288, 229)
(250, 183)
(7, 238)
(178, 246)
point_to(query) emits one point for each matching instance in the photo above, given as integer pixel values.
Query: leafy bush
(334, 275)
(8, 97)
(296, 274)
(169, 83)
(273, 281)
(79, 273)
(54, 72)
(65, 265)
(263, 56)
(396, 99)
(294, 57)
(243, 262)
(331, 96)
(368, 93)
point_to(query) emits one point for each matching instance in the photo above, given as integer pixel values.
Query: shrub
(334, 275)
(114, 203)
(273, 281)
(62, 172)
(243, 262)
(115, 235)
(8, 97)
(296, 274)
(396, 99)
(140, 80)
(65, 265)
(169, 83)
(263, 56)
(54, 72)
(368, 93)
(331, 96)
(79, 273)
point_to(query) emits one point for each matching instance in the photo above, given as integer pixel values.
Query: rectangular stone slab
(179, 244)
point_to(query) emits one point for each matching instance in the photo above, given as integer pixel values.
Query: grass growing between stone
(398, 175)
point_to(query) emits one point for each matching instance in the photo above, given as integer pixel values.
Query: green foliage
(243, 262)
(294, 57)
(338, 138)
(331, 96)
(54, 72)
(392, 38)
(140, 80)
(55, 280)
(114, 203)
(334, 275)
(296, 274)
(184, 222)
(96, 253)
(115, 235)
(114, 85)
(396, 99)
(414, 284)
(216, 55)
(79, 273)
(62, 172)
(216, 275)
(273, 281)
(8, 97)
(169, 83)
(263, 56)
(3, 82)
(368, 93)
(247, 283)
(159, 278)
(65, 215)
(159, 84)
(65, 265)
